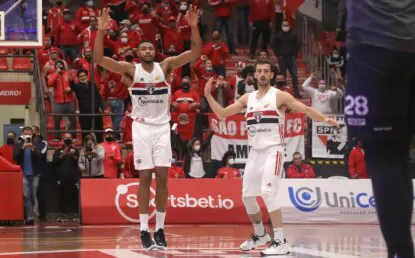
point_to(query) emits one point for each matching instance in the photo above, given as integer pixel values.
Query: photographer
(91, 158)
(65, 161)
(26, 154)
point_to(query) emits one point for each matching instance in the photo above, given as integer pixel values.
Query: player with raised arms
(150, 96)
(265, 110)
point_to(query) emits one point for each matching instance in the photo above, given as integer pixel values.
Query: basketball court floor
(216, 241)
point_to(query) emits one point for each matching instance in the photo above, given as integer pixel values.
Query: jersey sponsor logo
(252, 131)
(183, 119)
(143, 101)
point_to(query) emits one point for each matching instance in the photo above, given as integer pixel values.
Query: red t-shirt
(176, 172)
(225, 172)
(7, 152)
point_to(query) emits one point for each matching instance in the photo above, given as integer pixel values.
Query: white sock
(160, 217)
(279, 234)
(144, 222)
(259, 229)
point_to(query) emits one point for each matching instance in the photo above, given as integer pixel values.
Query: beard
(263, 84)
(147, 61)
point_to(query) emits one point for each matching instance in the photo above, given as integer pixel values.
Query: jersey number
(356, 106)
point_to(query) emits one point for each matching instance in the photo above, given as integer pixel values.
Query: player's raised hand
(104, 19)
(208, 87)
(332, 122)
(192, 16)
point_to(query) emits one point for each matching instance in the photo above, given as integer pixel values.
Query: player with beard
(150, 95)
(265, 110)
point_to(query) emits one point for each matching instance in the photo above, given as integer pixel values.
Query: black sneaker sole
(160, 247)
(150, 247)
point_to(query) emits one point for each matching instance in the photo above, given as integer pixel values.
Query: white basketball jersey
(264, 121)
(150, 96)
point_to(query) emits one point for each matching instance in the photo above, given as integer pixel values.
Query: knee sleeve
(251, 205)
(270, 200)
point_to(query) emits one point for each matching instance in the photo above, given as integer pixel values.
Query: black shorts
(380, 93)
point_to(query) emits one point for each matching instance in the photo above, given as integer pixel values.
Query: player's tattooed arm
(192, 18)
(288, 100)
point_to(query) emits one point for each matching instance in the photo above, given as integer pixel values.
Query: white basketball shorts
(151, 145)
(263, 171)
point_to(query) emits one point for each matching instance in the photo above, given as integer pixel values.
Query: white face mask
(322, 87)
(124, 40)
(335, 55)
(231, 161)
(89, 3)
(183, 7)
(196, 147)
(285, 29)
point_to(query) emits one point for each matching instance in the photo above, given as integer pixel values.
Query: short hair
(27, 128)
(263, 62)
(297, 153)
(145, 41)
(14, 134)
(227, 155)
(82, 70)
(36, 127)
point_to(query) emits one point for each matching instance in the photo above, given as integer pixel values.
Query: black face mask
(280, 83)
(109, 138)
(58, 3)
(185, 86)
(129, 58)
(10, 141)
(146, 11)
(67, 142)
(171, 53)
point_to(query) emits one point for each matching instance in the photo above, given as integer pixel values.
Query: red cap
(172, 18)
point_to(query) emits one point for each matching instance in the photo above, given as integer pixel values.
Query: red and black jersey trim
(145, 92)
(263, 120)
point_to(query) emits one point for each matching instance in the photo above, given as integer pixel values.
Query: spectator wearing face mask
(204, 71)
(286, 46)
(336, 63)
(186, 35)
(166, 9)
(84, 91)
(300, 169)
(84, 14)
(91, 157)
(175, 171)
(281, 84)
(27, 153)
(222, 92)
(66, 170)
(40, 165)
(321, 97)
(55, 17)
(112, 159)
(85, 63)
(44, 54)
(173, 34)
(123, 44)
(88, 34)
(223, 15)
(248, 84)
(218, 52)
(228, 171)
(133, 36)
(146, 21)
(6, 150)
(63, 96)
(194, 163)
(66, 36)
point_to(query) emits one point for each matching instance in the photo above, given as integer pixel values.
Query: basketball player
(265, 119)
(380, 108)
(150, 95)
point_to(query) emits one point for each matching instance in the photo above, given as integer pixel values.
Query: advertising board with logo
(232, 134)
(213, 201)
(329, 142)
(15, 93)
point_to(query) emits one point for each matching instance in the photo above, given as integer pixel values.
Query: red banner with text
(15, 93)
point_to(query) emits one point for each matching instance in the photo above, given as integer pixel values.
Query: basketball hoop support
(2, 21)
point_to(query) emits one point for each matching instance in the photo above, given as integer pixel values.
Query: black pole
(92, 84)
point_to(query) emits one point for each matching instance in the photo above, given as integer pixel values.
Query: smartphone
(174, 126)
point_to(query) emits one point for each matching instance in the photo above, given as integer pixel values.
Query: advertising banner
(218, 201)
(15, 93)
(11, 205)
(231, 134)
(329, 142)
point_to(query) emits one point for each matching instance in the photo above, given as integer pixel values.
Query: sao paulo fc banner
(231, 134)
(329, 142)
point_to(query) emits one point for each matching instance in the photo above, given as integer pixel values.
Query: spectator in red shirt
(175, 171)
(55, 17)
(228, 171)
(129, 169)
(127, 126)
(235, 79)
(166, 9)
(123, 44)
(173, 35)
(112, 157)
(300, 169)
(44, 54)
(222, 92)
(85, 63)
(281, 84)
(66, 36)
(218, 52)
(6, 151)
(84, 14)
(133, 35)
(357, 163)
(181, 22)
(147, 22)
(223, 15)
(88, 35)
(261, 17)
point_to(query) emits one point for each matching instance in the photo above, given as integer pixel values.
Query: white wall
(309, 9)
(8, 112)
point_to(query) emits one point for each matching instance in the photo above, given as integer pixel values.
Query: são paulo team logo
(126, 202)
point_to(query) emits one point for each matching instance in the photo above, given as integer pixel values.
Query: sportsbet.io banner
(329, 142)
(231, 134)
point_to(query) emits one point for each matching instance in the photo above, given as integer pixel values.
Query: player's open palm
(192, 16)
(332, 122)
(104, 19)
(208, 86)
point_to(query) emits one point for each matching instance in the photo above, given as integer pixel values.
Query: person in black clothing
(65, 162)
(85, 92)
(286, 46)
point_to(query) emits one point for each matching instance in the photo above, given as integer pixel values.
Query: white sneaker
(276, 248)
(254, 242)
